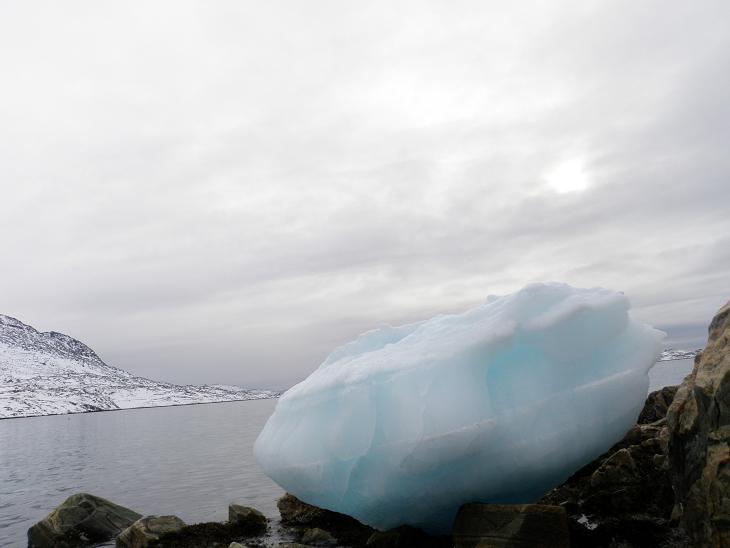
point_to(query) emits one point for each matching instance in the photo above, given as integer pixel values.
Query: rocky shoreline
(666, 484)
(623, 498)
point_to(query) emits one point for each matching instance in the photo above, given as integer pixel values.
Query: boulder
(347, 530)
(511, 525)
(298, 513)
(172, 532)
(318, 537)
(657, 404)
(246, 519)
(146, 531)
(699, 441)
(237, 545)
(205, 535)
(618, 469)
(81, 520)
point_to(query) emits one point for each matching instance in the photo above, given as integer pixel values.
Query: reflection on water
(191, 461)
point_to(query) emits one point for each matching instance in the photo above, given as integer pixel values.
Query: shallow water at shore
(191, 461)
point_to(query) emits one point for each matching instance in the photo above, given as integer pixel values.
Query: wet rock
(246, 519)
(81, 520)
(347, 530)
(511, 525)
(699, 441)
(202, 535)
(318, 537)
(242, 522)
(147, 530)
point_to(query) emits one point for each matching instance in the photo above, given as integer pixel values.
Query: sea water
(191, 461)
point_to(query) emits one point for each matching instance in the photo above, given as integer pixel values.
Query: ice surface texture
(498, 404)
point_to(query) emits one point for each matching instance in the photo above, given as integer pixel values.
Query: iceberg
(497, 404)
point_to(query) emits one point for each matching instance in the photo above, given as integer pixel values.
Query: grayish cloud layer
(222, 192)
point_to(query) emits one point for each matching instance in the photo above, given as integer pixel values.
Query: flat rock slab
(81, 520)
(511, 526)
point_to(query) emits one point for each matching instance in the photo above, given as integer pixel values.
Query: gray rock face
(511, 525)
(145, 531)
(699, 441)
(81, 520)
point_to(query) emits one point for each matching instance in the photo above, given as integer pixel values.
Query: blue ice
(497, 404)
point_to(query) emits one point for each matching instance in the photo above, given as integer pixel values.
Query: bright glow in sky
(568, 176)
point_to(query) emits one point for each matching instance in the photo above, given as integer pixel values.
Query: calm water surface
(669, 373)
(191, 461)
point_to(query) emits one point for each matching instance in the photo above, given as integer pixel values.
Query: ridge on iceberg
(498, 404)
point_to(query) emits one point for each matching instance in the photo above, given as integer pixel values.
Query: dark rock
(200, 535)
(618, 469)
(318, 537)
(81, 520)
(699, 441)
(657, 403)
(511, 525)
(347, 530)
(296, 512)
(145, 531)
(247, 519)
(407, 537)
(244, 522)
(625, 495)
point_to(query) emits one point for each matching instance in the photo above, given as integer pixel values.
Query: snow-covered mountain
(52, 373)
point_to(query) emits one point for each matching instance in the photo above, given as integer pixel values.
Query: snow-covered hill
(672, 354)
(52, 373)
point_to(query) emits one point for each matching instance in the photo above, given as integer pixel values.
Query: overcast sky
(223, 191)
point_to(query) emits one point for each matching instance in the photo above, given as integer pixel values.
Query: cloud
(224, 193)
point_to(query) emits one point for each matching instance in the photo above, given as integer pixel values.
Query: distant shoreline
(140, 407)
(203, 403)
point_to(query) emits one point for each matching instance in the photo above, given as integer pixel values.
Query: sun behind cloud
(568, 176)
